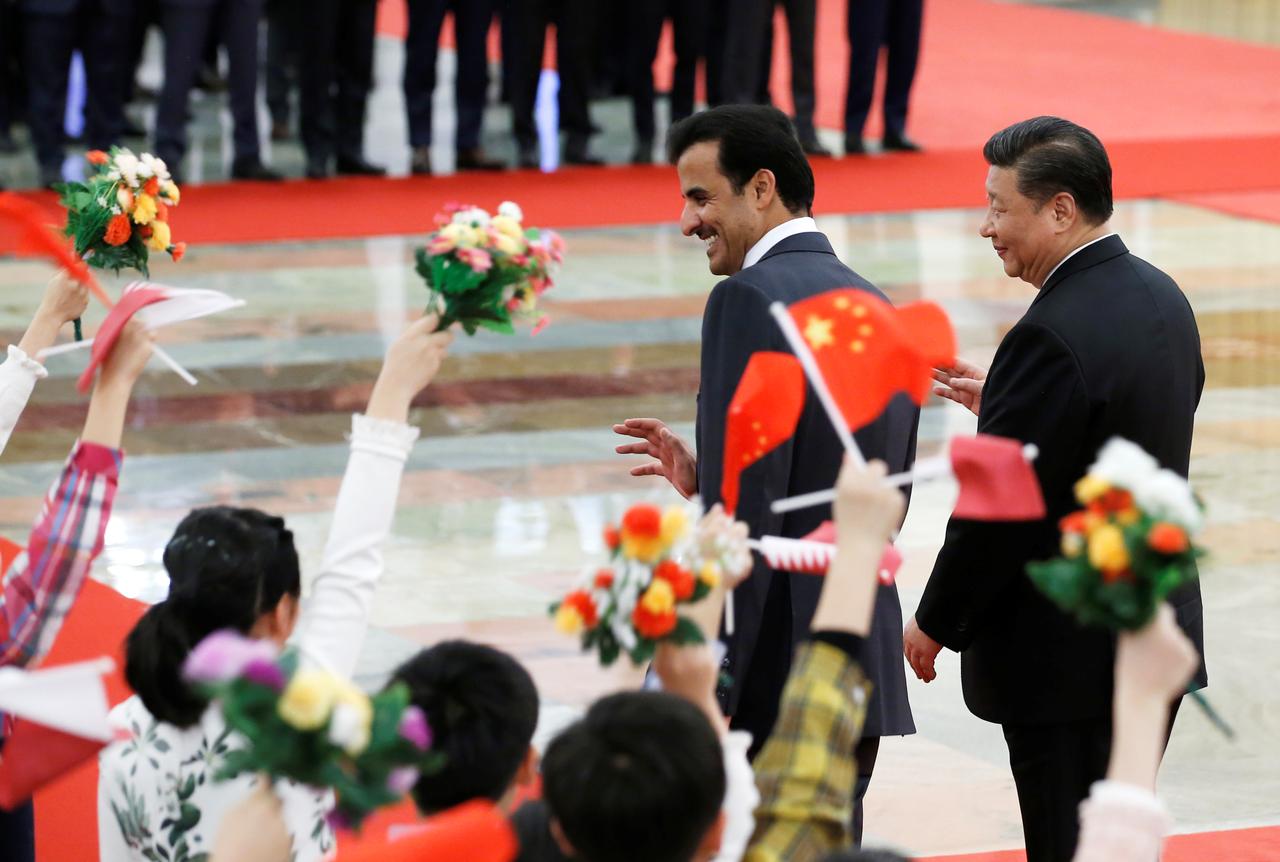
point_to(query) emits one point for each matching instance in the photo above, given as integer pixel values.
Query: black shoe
(814, 147)
(254, 169)
(643, 154)
(420, 162)
(900, 144)
(854, 147)
(50, 175)
(318, 169)
(280, 131)
(356, 166)
(575, 153)
(527, 156)
(475, 159)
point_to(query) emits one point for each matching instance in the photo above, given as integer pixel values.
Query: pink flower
(265, 673)
(477, 258)
(556, 243)
(414, 727)
(514, 303)
(539, 284)
(539, 251)
(520, 260)
(224, 655)
(543, 323)
(402, 779)
(441, 244)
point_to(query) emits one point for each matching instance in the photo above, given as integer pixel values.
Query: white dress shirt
(803, 224)
(1074, 252)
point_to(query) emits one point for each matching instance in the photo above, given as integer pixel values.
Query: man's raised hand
(673, 458)
(961, 384)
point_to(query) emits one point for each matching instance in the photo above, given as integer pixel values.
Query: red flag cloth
(997, 483)
(762, 415)
(890, 560)
(8, 553)
(472, 832)
(107, 335)
(37, 238)
(868, 351)
(35, 755)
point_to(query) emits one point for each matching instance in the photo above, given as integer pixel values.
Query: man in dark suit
(689, 20)
(895, 25)
(749, 195)
(187, 25)
(471, 20)
(746, 58)
(1108, 347)
(53, 29)
(335, 68)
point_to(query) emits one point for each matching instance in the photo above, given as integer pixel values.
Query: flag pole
(811, 370)
(926, 468)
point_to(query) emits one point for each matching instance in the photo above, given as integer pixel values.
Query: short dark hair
(1052, 155)
(751, 138)
(640, 777)
(482, 707)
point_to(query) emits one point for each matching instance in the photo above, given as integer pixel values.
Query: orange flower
(1112, 500)
(1168, 539)
(611, 537)
(1076, 522)
(97, 157)
(655, 613)
(118, 230)
(1110, 576)
(162, 212)
(680, 578)
(642, 533)
(576, 612)
(152, 187)
(603, 579)
(145, 231)
(178, 250)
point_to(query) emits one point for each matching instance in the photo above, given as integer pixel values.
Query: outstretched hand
(64, 300)
(673, 459)
(412, 362)
(962, 384)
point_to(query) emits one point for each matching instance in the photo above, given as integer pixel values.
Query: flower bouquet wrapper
(487, 271)
(659, 561)
(309, 726)
(1129, 547)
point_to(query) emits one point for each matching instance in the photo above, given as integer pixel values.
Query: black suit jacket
(1109, 347)
(736, 324)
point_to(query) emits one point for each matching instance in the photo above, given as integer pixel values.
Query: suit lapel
(812, 241)
(1102, 250)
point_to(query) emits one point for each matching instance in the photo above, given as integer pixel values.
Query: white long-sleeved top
(1121, 823)
(18, 376)
(156, 791)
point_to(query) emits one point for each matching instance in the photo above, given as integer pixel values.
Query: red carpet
(1263, 204)
(1237, 845)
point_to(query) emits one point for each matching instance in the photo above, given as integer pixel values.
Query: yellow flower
(170, 191)
(506, 245)
(710, 575)
(308, 699)
(1128, 517)
(645, 549)
(144, 208)
(1091, 488)
(675, 523)
(1072, 544)
(507, 226)
(568, 620)
(1106, 549)
(160, 237)
(660, 598)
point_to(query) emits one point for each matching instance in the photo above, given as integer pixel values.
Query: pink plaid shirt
(45, 580)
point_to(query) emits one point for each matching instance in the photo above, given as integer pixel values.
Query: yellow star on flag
(817, 331)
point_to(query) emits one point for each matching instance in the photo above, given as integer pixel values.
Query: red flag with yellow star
(868, 351)
(762, 415)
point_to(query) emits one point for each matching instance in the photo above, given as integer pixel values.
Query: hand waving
(673, 458)
(961, 384)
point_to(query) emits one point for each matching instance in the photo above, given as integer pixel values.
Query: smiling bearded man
(748, 194)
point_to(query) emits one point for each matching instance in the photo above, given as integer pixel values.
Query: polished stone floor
(505, 495)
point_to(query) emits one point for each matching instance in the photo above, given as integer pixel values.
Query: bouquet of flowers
(120, 214)
(310, 726)
(657, 563)
(488, 271)
(1129, 547)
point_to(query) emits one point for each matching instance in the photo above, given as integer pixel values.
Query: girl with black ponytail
(237, 569)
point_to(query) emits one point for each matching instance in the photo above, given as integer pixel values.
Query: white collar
(1072, 253)
(802, 224)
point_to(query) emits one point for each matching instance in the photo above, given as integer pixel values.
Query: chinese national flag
(996, 482)
(763, 414)
(868, 351)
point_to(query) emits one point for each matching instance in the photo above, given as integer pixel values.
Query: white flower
(348, 729)
(1167, 496)
(474, 216)
(1124, 464)
(102, 202)
(127, 164)
(623, 631)
(115, 209)
(113, 175)
(511, 209)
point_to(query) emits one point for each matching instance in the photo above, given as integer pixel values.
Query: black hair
(1052, 155)
(751, 138)
(226, 568)
(482, 707)
(640, 777)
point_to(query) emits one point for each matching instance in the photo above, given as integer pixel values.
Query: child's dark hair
(226, 568)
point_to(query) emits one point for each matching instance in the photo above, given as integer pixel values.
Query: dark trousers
(284, 32)
(18, 834)
(471, 20)
(96, 28)
(574, 21)
(895, 24)
(1054, 765)
(689, 20)
(744, 54)
(337, 74)
(187, 30)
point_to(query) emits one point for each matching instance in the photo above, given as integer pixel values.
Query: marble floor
(506, 494)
